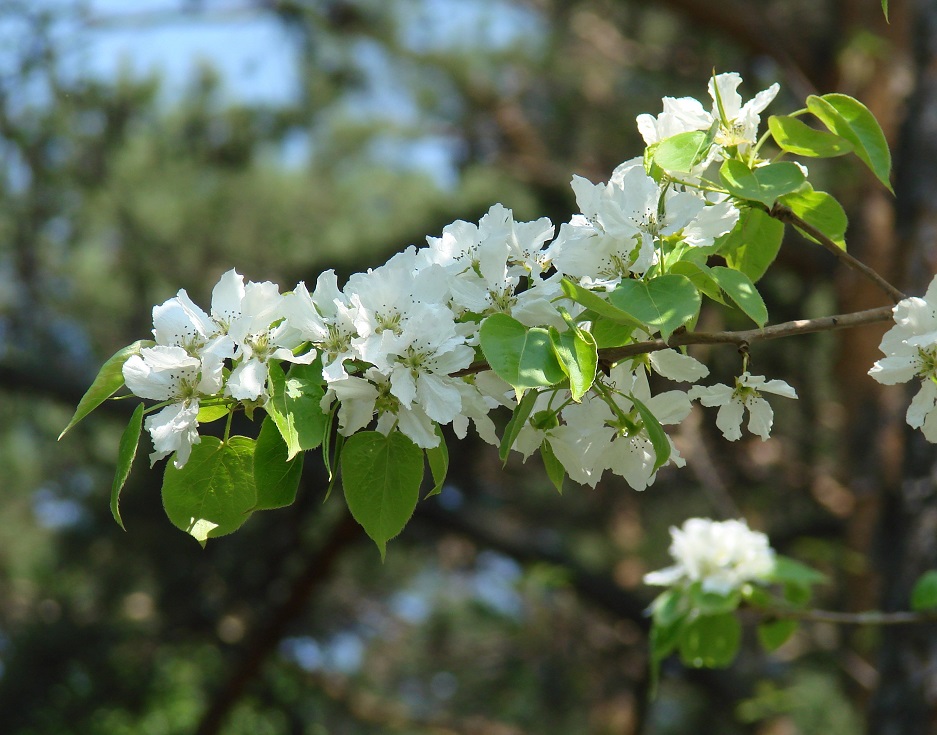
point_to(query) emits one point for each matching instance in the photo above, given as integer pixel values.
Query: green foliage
(742, 291)
(276, 474)
(523, 357)
(661, 304)
(924, 593)
(795, 136)
(214, 492)
(126, 451)
(850, 119)
(438, 459)
(109, 380)
(710, 641)
(597, 304)
(681, 152)
(655, 432)
(578, 356)
(294, 405)
(764, 184)
(517, 422)
(381, 477)
(554, 468)
(821, 210)
(754, 243)
(775, 633)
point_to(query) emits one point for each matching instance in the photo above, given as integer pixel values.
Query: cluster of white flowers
(721, 555)
(910, 349)
(396, 342)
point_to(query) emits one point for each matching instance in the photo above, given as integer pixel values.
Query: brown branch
(784, 214)
(742, 338)
(868, 617)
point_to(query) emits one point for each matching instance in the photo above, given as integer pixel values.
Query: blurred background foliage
(503, 608)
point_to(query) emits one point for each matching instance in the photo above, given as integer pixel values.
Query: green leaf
(821, 210)
(774, 634)
(669, 607)
(663, 303)
(710, 641)
(294, 406)
(276, 478)
(517, 422)
(681, 152)
(381, 476)
(924, 594)
(655, 432)
(713, 603)
(790, 571)
(207, 414)
(763, 184)
(885, 10)
(523, 357)
(438, 458)
(109, 380)
(555, 470)
(126, 451)
(596, 303)
(754, 243)
(578, 357)
(214, 493)
(850, 119)
(610, 334)
(742, 291)
(701, 277)
(795, 136)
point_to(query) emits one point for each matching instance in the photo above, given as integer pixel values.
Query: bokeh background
(152, 145)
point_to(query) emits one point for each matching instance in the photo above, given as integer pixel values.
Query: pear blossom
(168, 373)
(620, 224)
(737, 122)
(910, 349)
(746, 394)
(721, 556)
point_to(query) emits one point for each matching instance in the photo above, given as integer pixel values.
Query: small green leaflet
(381, 476)
(710, 641)
(596, 303)
(774, 634)
(578, 357)
(276, 478)
(517, 422)
(754, 243)
(821, 210)
(438, 459)
(763, 184)
(885, 10)
(924, 594)
(742, 291)
(109, 380)
(126, 451)
(795, 136)
(681, 152)
(662, 304)
(850, 119)
(521, 356)
(655, 432)
(207, 414)
(555, 470)
(213, 494)
(700, 276)
(294, 406)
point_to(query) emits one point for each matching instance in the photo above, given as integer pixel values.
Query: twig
(867, 617)
(742, 338)
(784, 214)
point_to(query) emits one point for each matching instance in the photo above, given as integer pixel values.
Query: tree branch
(784, 214)
(868, 617)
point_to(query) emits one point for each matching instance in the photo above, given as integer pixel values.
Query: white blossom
(167, 373)
(722, 556)
(910, 349)
(746, 394)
